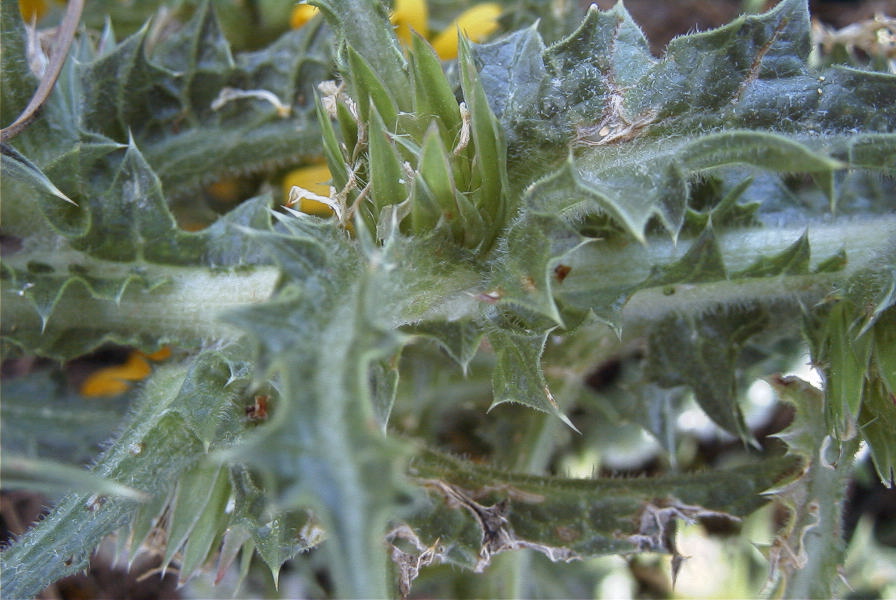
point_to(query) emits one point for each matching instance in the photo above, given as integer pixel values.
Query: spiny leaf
(166, 101)
(810, 545)
(518, 376)
(201, 57)
(276, 537)
(793, 261)
(702, 262)
(321, 335)
(42, 288)
(713, 99)
(475, 512)
(539, 240)
(153, 449)
(459, 339)
(702, 351)
(19, 168)
(50, 477)
(122, 88)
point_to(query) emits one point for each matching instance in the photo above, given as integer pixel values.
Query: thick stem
(185, 307)
(867, 243)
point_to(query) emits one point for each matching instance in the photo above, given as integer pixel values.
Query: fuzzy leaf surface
(158, 442)
(484, 511)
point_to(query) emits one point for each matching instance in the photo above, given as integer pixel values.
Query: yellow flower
(408, 15)
(301, 14)
(34, 10)
(114, 380)
(476, 23)
(314, 178)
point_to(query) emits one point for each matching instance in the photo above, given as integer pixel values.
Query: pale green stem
(190, 301)
(867, 243)
(819, 517)
(185, 306)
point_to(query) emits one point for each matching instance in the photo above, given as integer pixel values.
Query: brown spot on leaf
(258, 410)
(561, 271)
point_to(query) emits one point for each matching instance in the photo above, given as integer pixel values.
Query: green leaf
(197, 505)
(537, 242)
(122, 88)
(435, 175)
(873, 151)
(321, 334)
(488, 138)
(518, 376)
(703, 261)
(64, 302)
(370, 90)
(847, 362)
(202, 59)
(815, 499)
(207, 530)
(475, 512)
(386, 174)
(433, 94)
(460, 339)
(174, 102)
(643, 130)
(884, 353)
(701, 352)
(150, 453)
(331, 149)
(793, 261)
(49, 476)
(19, 168)
(21, 83)
(877, 420)
(769, 151)
(365, 27)
(276, 536)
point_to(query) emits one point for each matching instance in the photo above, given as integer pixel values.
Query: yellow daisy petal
(162, 353)
(477, 23)
(301, 14)
(410, 15)
(314, 178)
(111, 381)
(33, 10)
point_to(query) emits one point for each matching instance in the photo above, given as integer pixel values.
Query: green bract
(532, 211)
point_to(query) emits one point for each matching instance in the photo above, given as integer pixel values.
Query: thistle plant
(496, 228)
